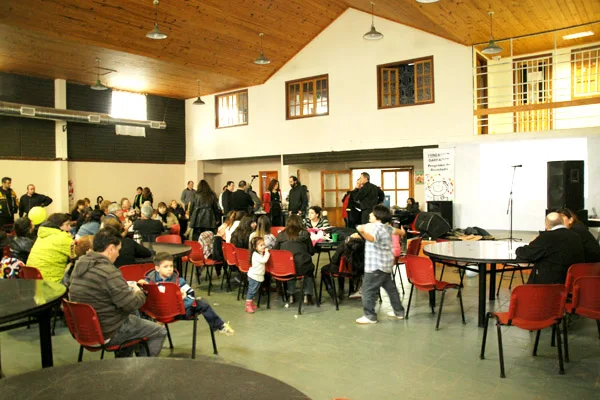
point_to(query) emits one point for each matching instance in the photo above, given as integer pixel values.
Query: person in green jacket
(52, 249)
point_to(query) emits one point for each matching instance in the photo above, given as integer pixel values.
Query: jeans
(253, 287)
(307, 284)
(211, 317)
(135, 328)
(372, 281)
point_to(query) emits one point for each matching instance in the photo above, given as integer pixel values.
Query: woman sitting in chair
(412, 206)
(316, 219)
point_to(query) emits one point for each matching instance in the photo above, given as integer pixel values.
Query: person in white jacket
(256, 274)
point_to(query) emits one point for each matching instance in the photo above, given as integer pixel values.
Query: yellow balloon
(37, 215)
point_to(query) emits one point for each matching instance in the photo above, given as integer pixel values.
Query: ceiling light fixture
(262, 60)
(492, 47)
(198, 101)
(373, 34)
(427, 1)
(578, 35)
(156, 33)
(98, 85)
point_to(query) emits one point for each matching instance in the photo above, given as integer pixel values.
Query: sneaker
(226, 329)
(356, 295)
(392, 314)
(364, 320)
(249, 309)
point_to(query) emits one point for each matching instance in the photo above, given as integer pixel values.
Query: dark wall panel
(101, 143)
(26, 137)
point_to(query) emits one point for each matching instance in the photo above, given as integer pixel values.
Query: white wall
(353, 121)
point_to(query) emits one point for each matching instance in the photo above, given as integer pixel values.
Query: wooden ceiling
(216, 40)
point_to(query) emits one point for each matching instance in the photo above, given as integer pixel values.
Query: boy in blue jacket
(164, 272)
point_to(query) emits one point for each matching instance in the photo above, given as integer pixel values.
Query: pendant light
(427, 1)
(262, 60)
(492, 47)
(98, 85)
(198, 101)
(373, 34)
(156, 33)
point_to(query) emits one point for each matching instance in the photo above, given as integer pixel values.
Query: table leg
(482, 299)
(45, 337)
(493, 281)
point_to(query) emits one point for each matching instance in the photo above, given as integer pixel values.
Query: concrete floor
(326, 355)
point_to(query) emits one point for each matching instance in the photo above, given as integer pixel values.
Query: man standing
(97, 282)
(32, 199)
(9, 204)
(298, 197)
(366, 197)
(240, 199)
(225, 200)
(552, 252)
(187, 196)
(138, 200)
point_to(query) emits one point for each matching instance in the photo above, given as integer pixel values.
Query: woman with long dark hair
(203, 210)
(147, 195)
(272, 203)
(591, 248)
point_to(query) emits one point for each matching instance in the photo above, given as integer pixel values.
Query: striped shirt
(379, 254)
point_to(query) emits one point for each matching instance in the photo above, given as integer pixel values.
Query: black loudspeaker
(443, 208)
(565, 185)
(431, 224)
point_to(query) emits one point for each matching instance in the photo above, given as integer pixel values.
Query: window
(585, 72)
(232, 109)
(308, 97)
(532, 77)
(405, 83)
(130, 106)
(398, 184)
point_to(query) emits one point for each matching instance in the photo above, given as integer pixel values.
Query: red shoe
(254, 306)
(249, 308)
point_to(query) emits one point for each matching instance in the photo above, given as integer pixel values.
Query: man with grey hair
(149, 228)
(114, 211)
(552, 252)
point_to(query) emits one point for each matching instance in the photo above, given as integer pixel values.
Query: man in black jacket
(9, 204)
(240, 199)
(366, 197)
(32, 199)
(225, 200)
(298, 197)
(552, 252)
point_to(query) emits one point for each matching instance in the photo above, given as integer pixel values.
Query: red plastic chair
(281, 267)
(175, 239)
(196, 257)
(30, 273)
(533, 308)
(135, 272)
(345, 270)
(244, 265)
(164, 304)
(275, 230)
(85, 328)
(230, 263)
(175, 230)
(585, 302)
(413, 248)
(578, 270)
(421, 274)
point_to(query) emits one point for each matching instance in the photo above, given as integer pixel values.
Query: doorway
(334, 185)
(265, 177)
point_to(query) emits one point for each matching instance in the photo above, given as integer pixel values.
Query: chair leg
(462, 309)
(335, 296)
(500, 350)
(315, 289)
(537, 341)
(146, 347)
(485, 331)
(561, 366)
(553, 342)
(522, 277)
(169, 336)
(511, 280)
(269, 296)
(442, 273)
(500, 281)
(437, 325)
(102, 354)
(214, 343)
(194, 337)
(409, 300)
(401, 281)
(320, 289)
(301, 300)
(598, 324)
(566, 339)
(432, 301)
(80, 358)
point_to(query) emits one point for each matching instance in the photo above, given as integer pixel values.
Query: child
(379, 260)
(164, 272)
(256, 275)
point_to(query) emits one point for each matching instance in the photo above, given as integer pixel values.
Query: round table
(481, 253)
(146, 378)
(176, 250)
(20, 298)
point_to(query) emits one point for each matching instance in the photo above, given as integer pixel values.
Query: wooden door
(334, 185)
(264, 178)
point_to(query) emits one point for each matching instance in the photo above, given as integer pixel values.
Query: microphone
(516, 166)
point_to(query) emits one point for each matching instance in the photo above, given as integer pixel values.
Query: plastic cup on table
(334, 237)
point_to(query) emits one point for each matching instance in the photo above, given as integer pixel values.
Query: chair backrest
(6, 251)
(83, 323)
(396, 246)
(135, 272)
(197, 253)
(176, 239)
(243, 259)
(275, 230)
(281, 264)
(29, 273)
(577, 270)
(229, 254)
(345, 266)
(420, 272)
(536, 303)
(163, 302)
(175, 230)
(414, 246)
(586, 296)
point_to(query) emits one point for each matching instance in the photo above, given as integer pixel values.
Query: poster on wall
(419, 177)
(439, 174)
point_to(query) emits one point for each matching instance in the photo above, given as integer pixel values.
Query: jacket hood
(48, 230)
(87, 262)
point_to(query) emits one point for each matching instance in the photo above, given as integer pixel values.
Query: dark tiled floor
(325, 354)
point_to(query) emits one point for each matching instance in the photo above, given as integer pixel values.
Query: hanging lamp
(156, 33)
(198, 101)
(492, 47)
(427, 1)
(98, 85)
(373, 34)
(261, 59)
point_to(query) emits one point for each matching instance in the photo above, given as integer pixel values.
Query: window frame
(411, 182)
(580, 50)
(236, 92)
(300, 82)
(379, 68)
